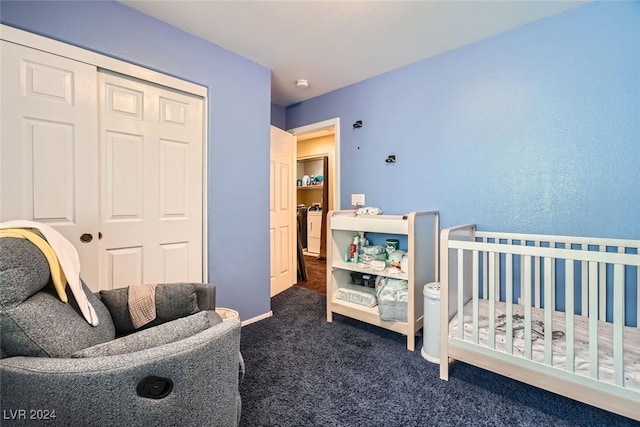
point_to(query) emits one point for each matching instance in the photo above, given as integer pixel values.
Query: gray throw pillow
(33, 319)
(173, 301)
(44, 326)
(24, 270)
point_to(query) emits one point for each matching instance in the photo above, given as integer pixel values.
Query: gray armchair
(57, 369)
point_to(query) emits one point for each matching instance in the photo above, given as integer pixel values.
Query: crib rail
(622, 246)
(581, 277)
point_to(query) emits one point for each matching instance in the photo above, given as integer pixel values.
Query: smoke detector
(302, 83)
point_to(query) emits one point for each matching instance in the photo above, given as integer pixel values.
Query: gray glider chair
(57, 369)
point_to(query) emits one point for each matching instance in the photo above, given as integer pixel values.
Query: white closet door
(151, 170)
(49, 146)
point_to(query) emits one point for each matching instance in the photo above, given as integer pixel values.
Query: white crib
(509, 293)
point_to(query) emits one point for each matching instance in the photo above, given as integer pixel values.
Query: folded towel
(142, 304)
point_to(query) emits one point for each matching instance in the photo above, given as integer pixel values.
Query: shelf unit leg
(411, 342)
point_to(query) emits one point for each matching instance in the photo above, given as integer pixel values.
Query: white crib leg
(444, 368)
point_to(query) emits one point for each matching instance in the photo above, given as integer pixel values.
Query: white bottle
(362, 241)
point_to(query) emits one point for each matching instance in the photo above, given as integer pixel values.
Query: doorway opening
(317, 192)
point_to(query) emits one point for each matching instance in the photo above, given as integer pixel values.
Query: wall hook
(391, 158)
(357, 124)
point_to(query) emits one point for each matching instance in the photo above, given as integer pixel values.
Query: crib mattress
(581, 342)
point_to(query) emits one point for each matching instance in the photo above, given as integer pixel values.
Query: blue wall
(238, 124)
(278, 116)
(536, 130)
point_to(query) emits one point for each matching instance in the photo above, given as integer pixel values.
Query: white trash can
(431, 323)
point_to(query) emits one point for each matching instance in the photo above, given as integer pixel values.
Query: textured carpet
(316, 274)
(304, 371)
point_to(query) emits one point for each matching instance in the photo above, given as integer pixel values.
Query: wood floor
(316, 274)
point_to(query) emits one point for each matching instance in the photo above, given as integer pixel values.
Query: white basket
(227, 313)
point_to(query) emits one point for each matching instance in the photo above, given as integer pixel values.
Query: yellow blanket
(57, 274)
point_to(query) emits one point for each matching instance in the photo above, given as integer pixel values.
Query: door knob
(86, 238)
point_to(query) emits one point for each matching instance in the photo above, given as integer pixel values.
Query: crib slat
(461, 293)
(522, 243)
(536, 274)
(485, 273)
(527, 306)
(476, 297)
(509, 302)
(553, 283)
(494, 277)
(593, 319)
(569, 309)
(585, 284)
(618, 324)
(602, 309)
(548, 311)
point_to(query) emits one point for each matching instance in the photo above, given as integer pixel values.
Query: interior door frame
(319, 126)
(55, 47)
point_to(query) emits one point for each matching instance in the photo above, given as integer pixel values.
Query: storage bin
(393, 311)
(227, 313)
(363, 279)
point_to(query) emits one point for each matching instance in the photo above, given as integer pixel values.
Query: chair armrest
(102, 390)
(166, 333)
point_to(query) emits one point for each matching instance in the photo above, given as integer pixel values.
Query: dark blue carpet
(304, 371)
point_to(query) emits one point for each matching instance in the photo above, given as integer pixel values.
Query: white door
(135, 179)
(283, 229)
(48, 141)
(151, 166)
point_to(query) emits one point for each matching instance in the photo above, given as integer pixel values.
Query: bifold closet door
(49, 147)
(151, 175)
(113, 163)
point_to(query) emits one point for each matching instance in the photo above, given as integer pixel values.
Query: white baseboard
(257, 318)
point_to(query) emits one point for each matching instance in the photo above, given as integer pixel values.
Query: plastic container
(431, 329)
(363, 279)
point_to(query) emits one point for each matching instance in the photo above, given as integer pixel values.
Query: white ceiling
(336, 43)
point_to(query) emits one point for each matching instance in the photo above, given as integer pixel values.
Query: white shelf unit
(422, 231)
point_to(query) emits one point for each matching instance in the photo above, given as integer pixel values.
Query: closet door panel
(124, 265)
(175, 261)
(49, 146)
(161, 172)
(174, 179)
(123, 177)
